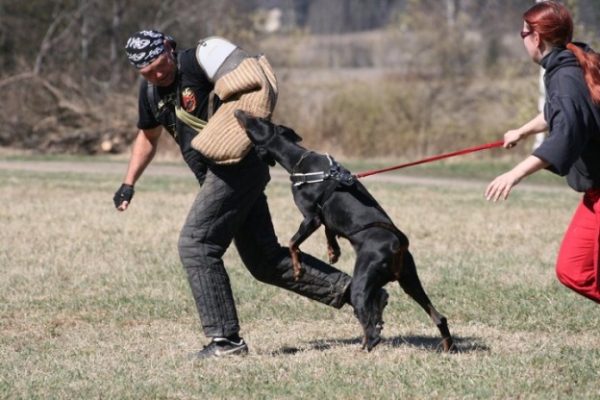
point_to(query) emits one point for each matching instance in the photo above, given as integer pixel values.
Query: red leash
(426, 160)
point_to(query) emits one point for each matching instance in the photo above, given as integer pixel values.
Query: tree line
(62, 66)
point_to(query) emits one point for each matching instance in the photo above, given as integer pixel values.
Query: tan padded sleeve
(252, 87)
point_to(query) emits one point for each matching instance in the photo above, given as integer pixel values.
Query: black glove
(125, 193)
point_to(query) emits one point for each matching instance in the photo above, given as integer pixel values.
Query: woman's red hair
(552, 21)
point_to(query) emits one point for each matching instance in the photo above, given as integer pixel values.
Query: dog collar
(311, 177)
(335, 172)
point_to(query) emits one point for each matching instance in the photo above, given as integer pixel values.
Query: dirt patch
(277, 174)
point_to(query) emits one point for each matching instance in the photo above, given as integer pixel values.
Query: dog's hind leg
(308, 226)
(410, 283)
(333, 247)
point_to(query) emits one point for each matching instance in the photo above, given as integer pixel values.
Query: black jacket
(573, 144)
(191, 90)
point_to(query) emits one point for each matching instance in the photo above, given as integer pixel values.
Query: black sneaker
(378, 306)
(220, 347)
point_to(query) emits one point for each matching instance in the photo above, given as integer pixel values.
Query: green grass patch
(471, 169)
(94, 303)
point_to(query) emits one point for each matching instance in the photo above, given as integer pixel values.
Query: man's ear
(288, 133)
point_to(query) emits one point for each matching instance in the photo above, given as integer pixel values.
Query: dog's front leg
(307, 227)
(333, 248)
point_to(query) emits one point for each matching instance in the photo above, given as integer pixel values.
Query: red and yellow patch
(188, 100)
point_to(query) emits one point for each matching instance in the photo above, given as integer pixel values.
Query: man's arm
(144, 149)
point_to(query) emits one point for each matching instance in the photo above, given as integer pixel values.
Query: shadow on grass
(462, 344)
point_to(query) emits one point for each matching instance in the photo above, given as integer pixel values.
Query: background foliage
(417, 76)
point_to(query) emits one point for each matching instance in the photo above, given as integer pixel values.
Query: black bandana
(145, 46)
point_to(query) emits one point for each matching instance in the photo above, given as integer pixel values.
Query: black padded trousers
(232, 206)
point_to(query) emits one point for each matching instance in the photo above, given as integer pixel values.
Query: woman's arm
(536, 125)
(500, 187)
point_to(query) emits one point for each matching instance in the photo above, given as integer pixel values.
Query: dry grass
(94, 303)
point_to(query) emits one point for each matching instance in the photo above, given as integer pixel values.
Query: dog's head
(261, 131)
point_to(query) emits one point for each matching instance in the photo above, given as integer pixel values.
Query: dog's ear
(288, 133)
(264, 155)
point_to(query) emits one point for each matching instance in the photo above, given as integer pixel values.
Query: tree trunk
(84, 44)
(117, 13)
(451, 12)
(46, 43)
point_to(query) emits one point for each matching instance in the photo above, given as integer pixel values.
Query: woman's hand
(536, 125)
(500, 187)
(512, 137)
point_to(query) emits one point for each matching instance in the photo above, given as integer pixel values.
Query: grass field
(94, 303)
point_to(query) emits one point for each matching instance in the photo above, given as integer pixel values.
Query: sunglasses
(524, 34)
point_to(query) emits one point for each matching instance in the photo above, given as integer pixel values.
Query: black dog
(327, 194)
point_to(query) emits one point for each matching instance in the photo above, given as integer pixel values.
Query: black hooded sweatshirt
(573, 144)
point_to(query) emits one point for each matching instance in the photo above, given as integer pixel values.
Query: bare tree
(117, 14)
(452, 11)
(63, 23)
(84, 43)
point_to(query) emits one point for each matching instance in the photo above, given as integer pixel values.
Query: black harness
(332, 179)
(336, 176)
(336, 173)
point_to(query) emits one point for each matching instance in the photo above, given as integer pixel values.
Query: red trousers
(577, 263)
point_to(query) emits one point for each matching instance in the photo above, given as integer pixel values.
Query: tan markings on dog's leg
(398, 262)
(364, 342)
(333, 247)
(333, 255)
(441, 323)
(299, 269)
(434, 314)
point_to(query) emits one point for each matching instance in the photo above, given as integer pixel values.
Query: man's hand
(123, 196)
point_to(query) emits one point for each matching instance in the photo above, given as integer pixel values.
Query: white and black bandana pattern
(144, 47)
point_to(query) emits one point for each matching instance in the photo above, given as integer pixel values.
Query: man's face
(162, 71)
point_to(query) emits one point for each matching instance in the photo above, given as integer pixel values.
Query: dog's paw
(448, 346)
(372, 342)
(334, 255)
(299, 272)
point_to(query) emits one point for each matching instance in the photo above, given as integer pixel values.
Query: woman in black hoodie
(572, 149)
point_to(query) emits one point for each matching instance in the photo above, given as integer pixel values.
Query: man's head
(151, 52)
